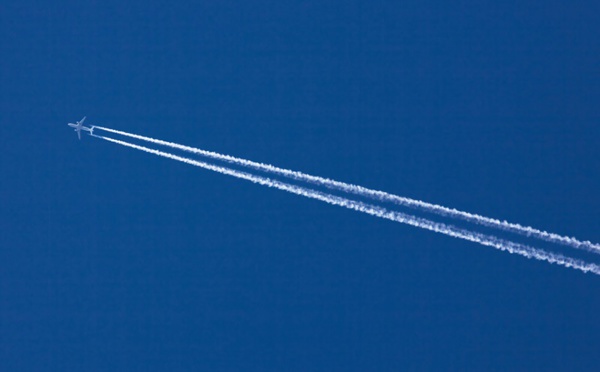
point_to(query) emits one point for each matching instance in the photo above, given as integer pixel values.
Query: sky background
(112, 259)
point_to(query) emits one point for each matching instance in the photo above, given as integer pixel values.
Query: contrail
(373, 210)
(379, 195)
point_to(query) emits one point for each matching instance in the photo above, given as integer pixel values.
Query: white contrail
(373, 210)
(379, 195)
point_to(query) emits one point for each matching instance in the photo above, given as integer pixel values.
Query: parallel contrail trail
(373, 210)
(379, 195)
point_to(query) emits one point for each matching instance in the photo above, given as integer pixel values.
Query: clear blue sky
(111, 259)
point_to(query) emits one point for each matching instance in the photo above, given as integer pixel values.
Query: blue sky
(111, 259)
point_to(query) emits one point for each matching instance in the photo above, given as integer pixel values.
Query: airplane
(79, 127)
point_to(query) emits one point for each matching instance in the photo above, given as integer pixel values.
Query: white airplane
(79, 127)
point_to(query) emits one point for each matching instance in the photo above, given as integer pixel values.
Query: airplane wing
(79, 134)
(82, 120)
